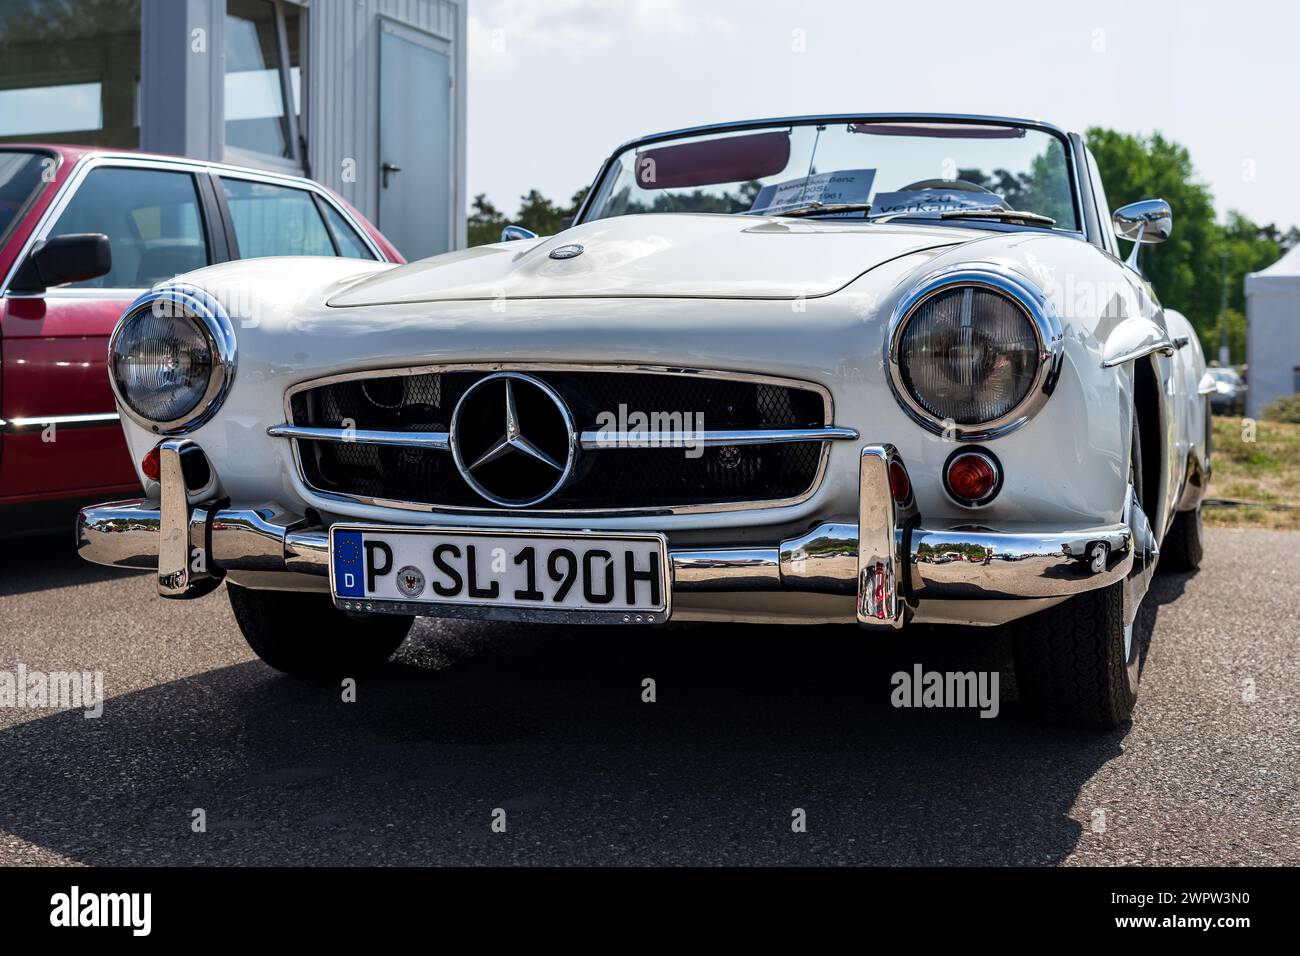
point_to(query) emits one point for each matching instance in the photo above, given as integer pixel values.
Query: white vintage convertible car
(865, 369)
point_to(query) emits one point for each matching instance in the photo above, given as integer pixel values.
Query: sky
(556, 85)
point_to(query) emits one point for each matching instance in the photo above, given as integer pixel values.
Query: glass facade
(263, 46)
(70, 72)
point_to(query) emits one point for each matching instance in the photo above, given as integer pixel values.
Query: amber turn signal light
(972, 477)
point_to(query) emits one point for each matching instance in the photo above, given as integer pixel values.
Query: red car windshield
(20, 178)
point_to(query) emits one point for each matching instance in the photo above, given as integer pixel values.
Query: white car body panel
(804, 300)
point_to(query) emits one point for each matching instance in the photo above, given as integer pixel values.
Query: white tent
(1273, 331)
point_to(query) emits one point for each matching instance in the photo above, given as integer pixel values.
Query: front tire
(1182, 549)
(305, 635)
(1077, 664)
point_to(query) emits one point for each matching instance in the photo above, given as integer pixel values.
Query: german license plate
(560, 576)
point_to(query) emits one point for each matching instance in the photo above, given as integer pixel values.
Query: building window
(69, 72)
(263, 72)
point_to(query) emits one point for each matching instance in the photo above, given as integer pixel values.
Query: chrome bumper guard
(886, 557)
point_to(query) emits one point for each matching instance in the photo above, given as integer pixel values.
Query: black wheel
(307, 636)
(1077, 663)
(1182, 548)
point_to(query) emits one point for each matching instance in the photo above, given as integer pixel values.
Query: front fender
(1134, 338)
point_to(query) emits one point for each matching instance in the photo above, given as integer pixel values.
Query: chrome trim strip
(240, 542)
(212, 319)
(816, 483)
(1036, 306)
(732, 569)
(589, 439)
(713, 439)
(120, 534)
(93, 418)
(982, 564)
(1141, 351)
(632, 369)
(825, 559)
(364, 436)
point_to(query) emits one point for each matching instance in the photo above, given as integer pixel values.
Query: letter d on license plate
(559, 576)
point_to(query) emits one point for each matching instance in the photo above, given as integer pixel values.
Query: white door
(415, 140)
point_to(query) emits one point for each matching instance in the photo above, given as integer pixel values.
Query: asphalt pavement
(546, 730)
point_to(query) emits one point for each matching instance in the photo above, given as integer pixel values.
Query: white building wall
(343, 93)
(182, 89)
(1272, 339)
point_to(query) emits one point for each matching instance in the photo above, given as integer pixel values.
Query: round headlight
(170, 360)
(970, 355)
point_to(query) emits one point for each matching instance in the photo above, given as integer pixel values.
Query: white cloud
(512, 27)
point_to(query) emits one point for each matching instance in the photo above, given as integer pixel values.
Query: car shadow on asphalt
(550, 725)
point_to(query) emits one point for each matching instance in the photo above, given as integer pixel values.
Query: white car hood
(659, 255)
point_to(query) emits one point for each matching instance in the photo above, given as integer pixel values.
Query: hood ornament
(570, 251)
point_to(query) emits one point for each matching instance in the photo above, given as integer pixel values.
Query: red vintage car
(82, 233)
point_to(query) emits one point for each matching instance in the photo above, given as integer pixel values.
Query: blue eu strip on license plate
(349, 567)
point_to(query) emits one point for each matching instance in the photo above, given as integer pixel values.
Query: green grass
(1265, 471)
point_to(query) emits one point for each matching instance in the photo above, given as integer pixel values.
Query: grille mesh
(615, 478)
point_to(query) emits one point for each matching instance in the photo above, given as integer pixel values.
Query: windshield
(20, 177)
(900, 170)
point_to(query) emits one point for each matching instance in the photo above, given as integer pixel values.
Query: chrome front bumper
(885, 556)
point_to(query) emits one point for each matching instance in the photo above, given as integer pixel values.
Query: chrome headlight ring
(212, 320)
(1047, 327)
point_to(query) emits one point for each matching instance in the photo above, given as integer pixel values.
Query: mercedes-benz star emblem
(513, 439)
(572, 250)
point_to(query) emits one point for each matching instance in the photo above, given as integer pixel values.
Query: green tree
(1184, 270)
(1187, 271)
(576, 202)
(539, 214)
(536, 212)
(485, 221)
(1249, 248)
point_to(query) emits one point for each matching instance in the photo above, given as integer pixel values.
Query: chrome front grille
(386, 437)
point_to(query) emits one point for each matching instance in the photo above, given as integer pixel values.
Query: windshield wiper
(1006, 215)
(821, 209)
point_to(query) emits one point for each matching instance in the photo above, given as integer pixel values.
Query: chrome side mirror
(511, 233)
(1145, 222)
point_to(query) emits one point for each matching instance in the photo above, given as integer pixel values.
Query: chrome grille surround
(823, 435)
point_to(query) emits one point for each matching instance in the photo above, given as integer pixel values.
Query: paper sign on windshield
(933, 200)
(841, 186)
